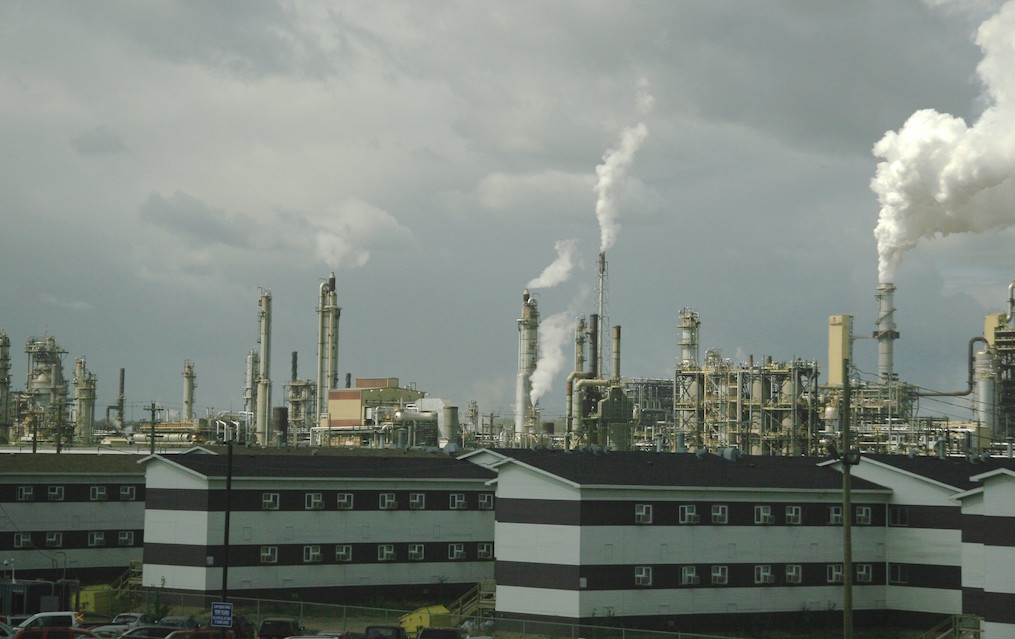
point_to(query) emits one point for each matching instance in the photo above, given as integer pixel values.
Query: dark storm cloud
(193, 220)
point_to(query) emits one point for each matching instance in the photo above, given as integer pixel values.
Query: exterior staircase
(956, 627)
(479, 602)
(128, 584)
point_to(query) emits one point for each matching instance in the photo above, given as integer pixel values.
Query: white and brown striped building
(320, 527)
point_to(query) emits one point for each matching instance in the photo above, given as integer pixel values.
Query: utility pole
(153, 408)
(849, 458)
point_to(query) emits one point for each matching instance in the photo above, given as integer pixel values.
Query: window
(269, 554)
(720, 514)
(125, 538)
(643, 513)
(643, 575)
(898, 516)
(458, 501)
(794, 515)
(345, 501)
(763, 515)
(763, 574)
(689, 514)
(456, 551)
(486, 501)
(898, 574)
(794, 574)
(864, 574)
(689, 576)
(485, 550)
(312, 554)
(343, 553)
(54, 539)
(26, 493)
(386, 552)
(269, 501)
(96, 538)
(97, 493)
(834, 573)
(128, 493)
(56, 493)
(417, 501)
(386, 501)
(314, 501)
(835, 515)
(416, 552)
(22, 540)
(720, 575)
(863, 515)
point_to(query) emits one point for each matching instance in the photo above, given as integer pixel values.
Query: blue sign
(221, 614)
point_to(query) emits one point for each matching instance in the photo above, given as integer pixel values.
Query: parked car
(61, 619)
(440, 633)
(148, 632)
(132, 619)
(201, 633)
(278, 628)
(385, 632)
(53, 632)
(6, 632)
(179, 622)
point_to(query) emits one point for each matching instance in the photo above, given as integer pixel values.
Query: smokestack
(263, 415)
(616, 352)
(886, 333)
(601, 333)
(594, 342)
(292, 373)
(189, 383)
(327, 343)
(528, 344)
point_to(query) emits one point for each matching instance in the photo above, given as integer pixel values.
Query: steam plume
(553, 333)
(612, 173)
(559, 270)
(941, 176)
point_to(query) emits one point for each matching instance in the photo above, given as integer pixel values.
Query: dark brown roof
(88, 463)
(686, 469)
(951, 471)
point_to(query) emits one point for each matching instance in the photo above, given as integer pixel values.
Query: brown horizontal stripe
(295, 500)
(292, 554)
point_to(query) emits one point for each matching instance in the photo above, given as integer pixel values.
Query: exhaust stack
(886, 333)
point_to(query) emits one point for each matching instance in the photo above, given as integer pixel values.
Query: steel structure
(526, 417)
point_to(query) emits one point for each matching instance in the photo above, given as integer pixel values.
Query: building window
(898, 516)
(54, 539)
(343, 553)
(97, 493)
(643, 575)
(125, 538)
(794, 515)
(864, 574)
(345, 501)
(834, 574)
(269, 501)
(485, 550)
(314, 501)
(835, 515)
(312, 554)
(386, 552)
(417, 501)
(269, 554)
(689, 576)
(863, 515)
(22, 540)
(56, 493)
(688, 514)
(720, 514)
(456, 551)
(720, 575)
(794, 574)
(763, 515)
(486, 501)
(898, 574)
(128, 493)
(643, 513)
(96, 538)
(416, 552)
(26, 493)
(763, 574)
(386, 501)
(458, 501)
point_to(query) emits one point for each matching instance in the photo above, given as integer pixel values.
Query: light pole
(849, 459)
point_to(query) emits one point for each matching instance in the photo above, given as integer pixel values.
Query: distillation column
(189, 384)
(263, 417)
(528, 344)
(327, 345)
(5, 388)
(84, 401)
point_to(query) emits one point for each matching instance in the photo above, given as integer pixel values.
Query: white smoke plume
(553, 334)
(611, 174)
(940, 176)
(559, 271)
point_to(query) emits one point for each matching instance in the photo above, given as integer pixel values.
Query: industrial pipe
(970, 388)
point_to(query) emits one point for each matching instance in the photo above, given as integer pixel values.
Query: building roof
(951, 471)
(87, 463)
(618, 468)
(392, 465)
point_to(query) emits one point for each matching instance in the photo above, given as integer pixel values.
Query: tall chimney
(886, 333)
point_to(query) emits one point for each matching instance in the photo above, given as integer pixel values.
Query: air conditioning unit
(768, 579)
(693, 580)
(768, 519)
(693, 518)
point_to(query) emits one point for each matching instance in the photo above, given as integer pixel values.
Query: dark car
(385, 632)
(179, 622)
(148, 632)
(279, 628)
(53, 632)
(440, 633)
(201, 633)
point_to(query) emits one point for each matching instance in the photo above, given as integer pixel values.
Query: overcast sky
(164, 161)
